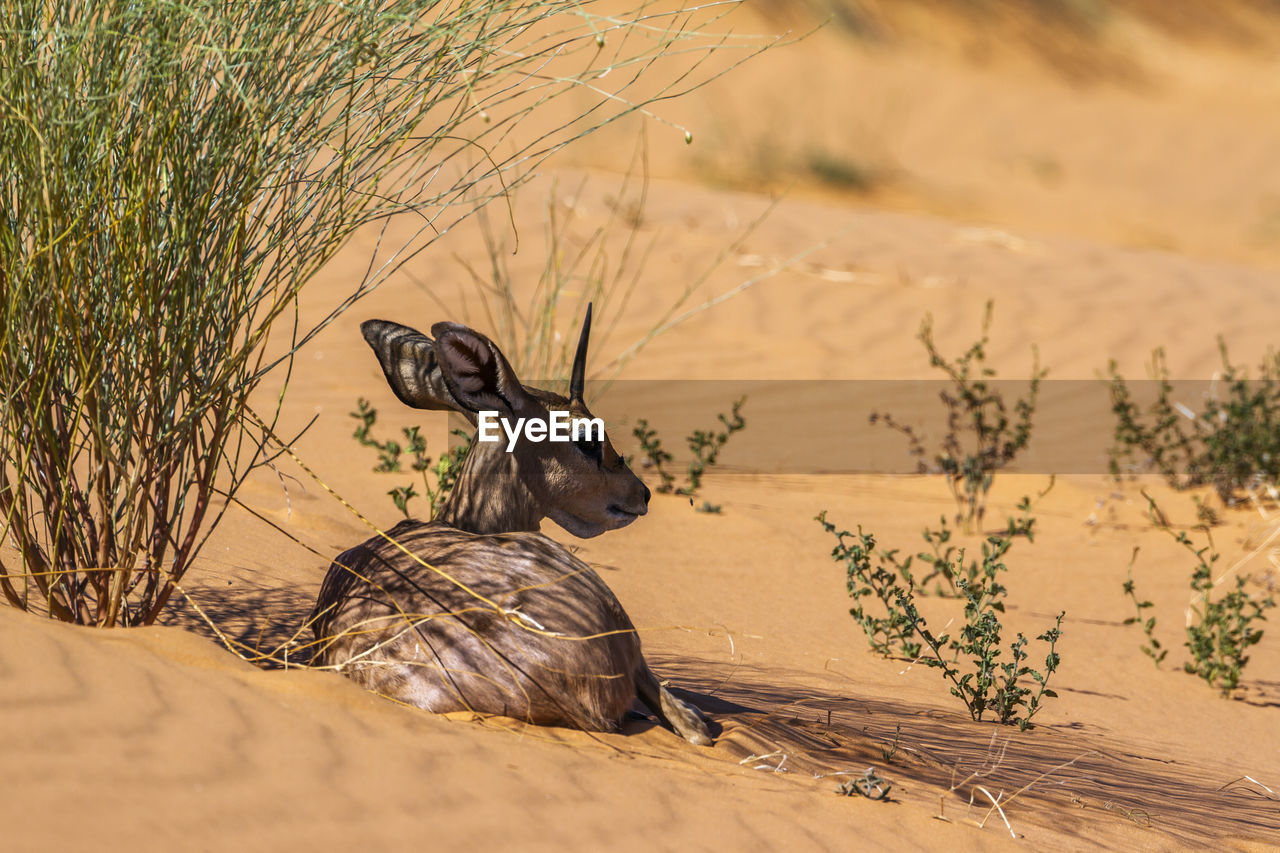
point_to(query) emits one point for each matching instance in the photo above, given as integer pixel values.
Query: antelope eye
(590, 448)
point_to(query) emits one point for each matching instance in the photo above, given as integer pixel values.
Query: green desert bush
(1232, 444)
(946, 560)
(1221, 628)
(173, 174)
(1152, 648)
(1011, 689)
(873, 578)
(974, 661)
(982, 435)
(438, 477)
(705, 445)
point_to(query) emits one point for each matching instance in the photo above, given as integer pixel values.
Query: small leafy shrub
(1224, 633)
(841, 172)
(444, 471)
(1233, 444)
(388, 451)
(705, 445)
(653, 455)
(948, 564)
(870, 785)
(983, 435)
(883, 590)
(891, 750)
(874, 578)
(989, 684)
(1224, 629)
(1152, 649)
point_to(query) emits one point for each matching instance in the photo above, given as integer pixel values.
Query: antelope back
(406, 632)
(507, 484)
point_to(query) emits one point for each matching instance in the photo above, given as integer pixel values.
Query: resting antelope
(500, 619)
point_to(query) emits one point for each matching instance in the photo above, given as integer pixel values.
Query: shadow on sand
(1064, 777)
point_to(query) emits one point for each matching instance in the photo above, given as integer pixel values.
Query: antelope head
(583, 485)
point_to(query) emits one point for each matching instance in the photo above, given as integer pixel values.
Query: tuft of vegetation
(1152, 649)
(654, 456)
(705, 445)
(388, 451)
(438, 478)
(601, 267)
(173, 174)
(989, 684)
(841, 172)
(1222, 629)
(874, 578)
(883, 590)
(870, 785)
(983, 434)
(1232, 444)
(947, 561)
(890, 751)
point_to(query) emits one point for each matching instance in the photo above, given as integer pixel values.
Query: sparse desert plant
(1153, 649)
(443, 471)
(839, 171)
(388, 451)
(988, 683)
(983, 435)
(705, 445)
(890, 751)
(653, 455)
(870, 785)
(601, 267)
(874, 578)
(974, 660)
(1232, 444)
(173, 174)
(1221, 630)
(947, 560)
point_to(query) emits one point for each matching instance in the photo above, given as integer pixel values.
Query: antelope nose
(646, 494)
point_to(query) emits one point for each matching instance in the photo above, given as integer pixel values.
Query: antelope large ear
(409, 362)
(478, 375)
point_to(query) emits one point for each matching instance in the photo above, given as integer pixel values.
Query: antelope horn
(578, 378)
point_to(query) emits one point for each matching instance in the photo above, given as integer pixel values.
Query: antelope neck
(490, 496)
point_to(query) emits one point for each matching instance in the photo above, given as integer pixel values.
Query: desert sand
(1105, 214)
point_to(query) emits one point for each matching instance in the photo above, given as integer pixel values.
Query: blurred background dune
(1141, 123)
